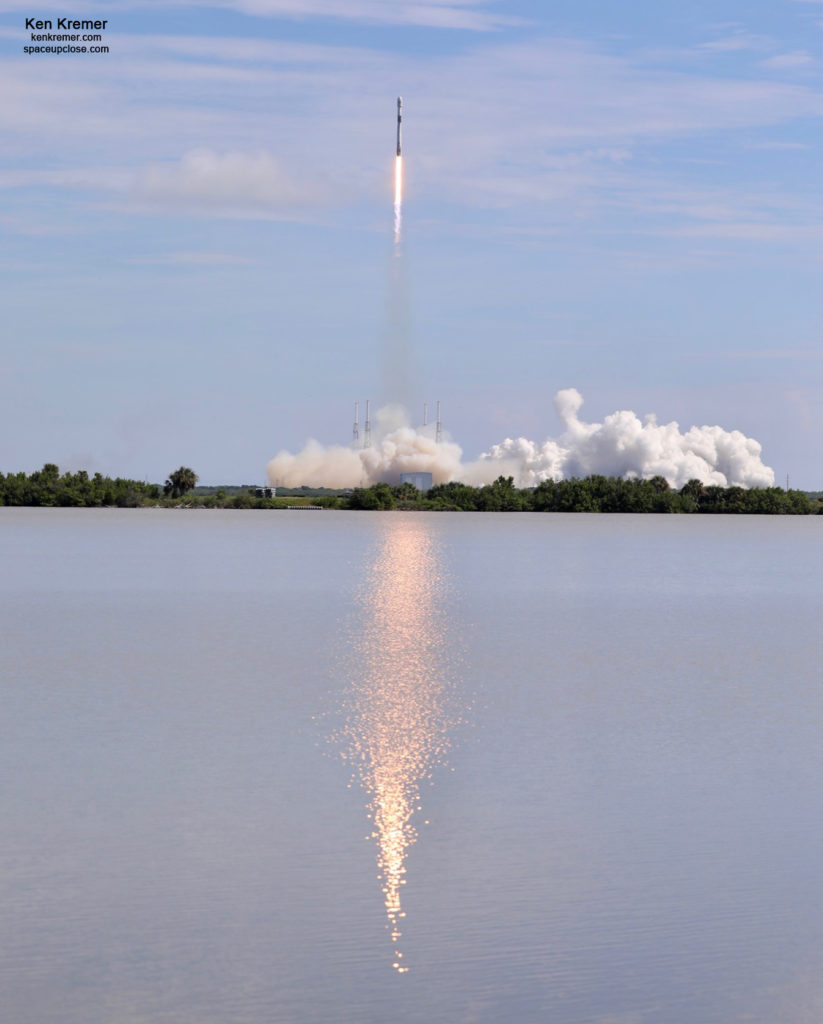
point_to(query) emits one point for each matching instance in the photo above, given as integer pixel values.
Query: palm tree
(180, 481)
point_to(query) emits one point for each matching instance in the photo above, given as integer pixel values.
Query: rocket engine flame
(622, 445)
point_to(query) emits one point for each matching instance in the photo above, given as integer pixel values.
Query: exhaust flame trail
(398, 198)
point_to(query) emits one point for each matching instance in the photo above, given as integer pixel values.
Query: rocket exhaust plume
(398, 198)
(622, 445)
(395, 352)
(398, 177)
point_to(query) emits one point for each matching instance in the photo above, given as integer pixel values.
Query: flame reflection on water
(400, 705)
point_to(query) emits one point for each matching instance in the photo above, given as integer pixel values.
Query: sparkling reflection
(400, 706)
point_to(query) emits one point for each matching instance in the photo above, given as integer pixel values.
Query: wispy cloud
(442, 14)
(788, 61)
(781, 354)
(776, 145)
(737, 41)
(225, 184)
(465, 15)
(754, 232)
(91, 178)
(196, 259)
(239, 126)
(731, 214)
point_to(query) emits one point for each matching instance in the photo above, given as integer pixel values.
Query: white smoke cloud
(396, 448)
(622, 445)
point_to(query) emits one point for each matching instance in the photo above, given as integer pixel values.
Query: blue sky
(197, 226)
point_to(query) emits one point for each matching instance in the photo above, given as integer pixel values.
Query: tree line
(47, 487)
(588, 494)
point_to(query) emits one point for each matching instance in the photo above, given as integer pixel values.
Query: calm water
(369, 767)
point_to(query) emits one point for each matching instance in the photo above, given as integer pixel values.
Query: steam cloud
(622, 445)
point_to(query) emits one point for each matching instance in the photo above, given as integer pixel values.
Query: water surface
(568, 766)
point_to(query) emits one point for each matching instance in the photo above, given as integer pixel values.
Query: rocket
(399, 119)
